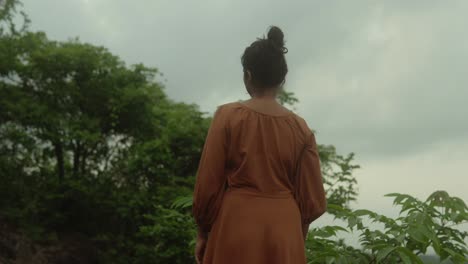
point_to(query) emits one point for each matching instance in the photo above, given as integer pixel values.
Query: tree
(76, 100)
(92, 146)
(287, 98)
(8, 10)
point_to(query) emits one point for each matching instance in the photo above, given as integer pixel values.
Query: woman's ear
(248, 81)
(247, 76)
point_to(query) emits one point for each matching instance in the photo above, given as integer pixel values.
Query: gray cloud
(373, 77)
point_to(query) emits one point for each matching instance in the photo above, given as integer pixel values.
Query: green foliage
(323, 245)
(287, 98)
(419, 226)
(176, 242)
(78, 101)
(339, 182)
(9, 9)
(89, 145)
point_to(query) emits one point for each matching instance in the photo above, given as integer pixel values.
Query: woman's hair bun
(277, 37)
(265, 59)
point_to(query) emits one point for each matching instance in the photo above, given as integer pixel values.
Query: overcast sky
(386, 80)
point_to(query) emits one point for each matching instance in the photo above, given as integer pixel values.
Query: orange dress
(247, 195)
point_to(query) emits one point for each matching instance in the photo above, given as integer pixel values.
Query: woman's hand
(200, 246)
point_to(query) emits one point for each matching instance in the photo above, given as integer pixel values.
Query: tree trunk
(83, 161)
(59, 156)
(76, 159)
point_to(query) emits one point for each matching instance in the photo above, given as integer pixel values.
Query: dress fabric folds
(247, 194)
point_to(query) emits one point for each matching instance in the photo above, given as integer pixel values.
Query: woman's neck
(267, 94)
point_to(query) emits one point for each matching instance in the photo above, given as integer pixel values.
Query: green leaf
(419, 237)
(392, 194)
(383, 253)
(335, 207)
(426, 231)
(352, 221)
(404, 258)
(455, 255)
(407, 256)
(362, 212)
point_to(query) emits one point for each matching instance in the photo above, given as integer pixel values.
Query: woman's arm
(210, 179)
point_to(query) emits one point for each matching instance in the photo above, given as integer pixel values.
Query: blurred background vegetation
(97, 165)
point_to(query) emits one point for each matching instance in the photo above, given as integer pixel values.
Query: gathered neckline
(265, 114)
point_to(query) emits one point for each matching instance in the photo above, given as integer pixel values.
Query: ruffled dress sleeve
(210, 179)
(309, 190)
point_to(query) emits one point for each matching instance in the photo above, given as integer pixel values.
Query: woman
(259, 184)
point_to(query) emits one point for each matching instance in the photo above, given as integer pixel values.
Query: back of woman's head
(265, 60)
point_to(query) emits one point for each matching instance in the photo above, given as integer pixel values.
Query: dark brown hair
(265, 59)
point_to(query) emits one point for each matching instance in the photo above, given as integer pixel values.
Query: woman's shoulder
(229, 105)
(226, 108)
(303, 127)
(232, 106)
(302, 122)
(241, 105)
(224, 111)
